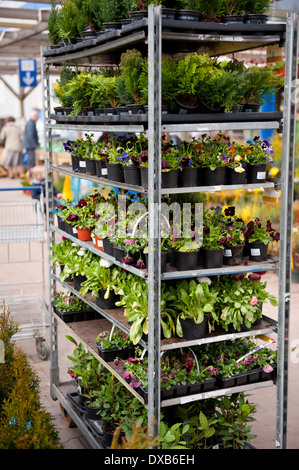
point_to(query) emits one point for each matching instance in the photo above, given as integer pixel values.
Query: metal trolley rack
(149, 37)
(23, 221)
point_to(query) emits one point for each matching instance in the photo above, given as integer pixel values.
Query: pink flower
(267, 369)
(127, 374)
(254, 277)
(254, 300)
(135, 384)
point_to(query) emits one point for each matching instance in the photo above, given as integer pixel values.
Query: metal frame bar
(285, 247)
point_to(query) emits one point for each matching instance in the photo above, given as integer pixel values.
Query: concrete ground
(71, 438)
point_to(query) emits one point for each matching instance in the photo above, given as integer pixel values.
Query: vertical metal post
(286, 216)
(54, 369)
(154, 203)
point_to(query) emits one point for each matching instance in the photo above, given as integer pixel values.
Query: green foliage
(131, 67)
(53, 25)
(60, 86)
(70, 20)
(256, 6)
(234, 415)
(24, 424)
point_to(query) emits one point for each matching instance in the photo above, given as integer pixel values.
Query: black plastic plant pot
(101, 168)
(169, 179)
(188, 15)
(108, 247)
(71, 230)
(208, 385)
(251, 108)
(192, 330)
(212, 258)
(233, 255)
(188, 177)
(233, 177)
(164, 258)
(78, 281)
(75, 163)
(254, 18)
(256, 173)
(118, 252)
(132, 175)
(107, 438)
(258, 251)
(138, 15)
(135, 108)
(109, 303)
(186, 261)
(115, 172)
(144, 176)
(90, 167)
(214, 177)
(93, 413)
(269, 375)
(60, 223)
(236, 19)
(110, 354)
(168, 13)
(82, 165)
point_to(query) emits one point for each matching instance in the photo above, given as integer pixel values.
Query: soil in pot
(186, 261)
(256, 173)
(233, 255)
(106, 303)
(132, 175)
(188, 177)
(233, 177)
(214, 177)
(169, 179)
(192, 330)
(212, 258)
(258, 251)
(115, 172)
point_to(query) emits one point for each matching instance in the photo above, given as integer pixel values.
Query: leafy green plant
(193, 300)
(130, 65)
(53, 25)
(116, 339)
(234, 416)
(256, 6)
(70, 21)
(68, 302)
(258, 231)
(99, 276)
(234, 7)
(212, 10)
(79, 90)
(60, 87)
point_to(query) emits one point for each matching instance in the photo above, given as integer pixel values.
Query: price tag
(227, 253)
(255, 251)
(74, 230)
(104, 171)
(261, 175)
(82, 164)
(270, 195)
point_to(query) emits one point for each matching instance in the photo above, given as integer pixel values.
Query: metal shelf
(67, 170)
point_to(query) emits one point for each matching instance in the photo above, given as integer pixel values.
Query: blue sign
(27, 71)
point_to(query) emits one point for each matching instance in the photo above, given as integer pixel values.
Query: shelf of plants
(143, 280)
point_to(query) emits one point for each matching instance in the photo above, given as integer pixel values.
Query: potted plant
(75, 266)
(53, 25)
(114, 164)
(235, 240)
(186, 254)
(257, 83)
(114, 344)
(255, 11)
(213, 246)
(211, 11)
(102, 281)
(61, 253)
(258, 234)
(60, 88)
(70, 22)
(257, 155)
(70, 308)
(193, 305)
(130, 65)
(239, 301)
(234, 11)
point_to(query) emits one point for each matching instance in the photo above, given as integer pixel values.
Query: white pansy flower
(204, 279)
(105, 263)
(81, 252)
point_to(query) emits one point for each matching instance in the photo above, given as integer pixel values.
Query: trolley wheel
(67, 418)
(42, 349)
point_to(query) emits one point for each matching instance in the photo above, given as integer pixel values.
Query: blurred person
(30, 139)
(11, 137)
